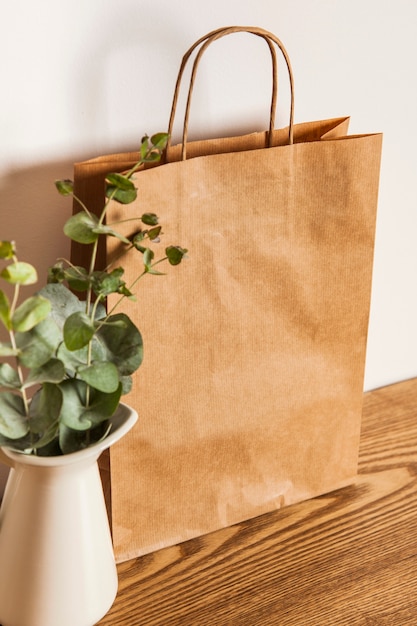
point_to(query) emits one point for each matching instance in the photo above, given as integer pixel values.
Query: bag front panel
(251, 389)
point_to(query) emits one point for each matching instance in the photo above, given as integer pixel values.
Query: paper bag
(250, 393)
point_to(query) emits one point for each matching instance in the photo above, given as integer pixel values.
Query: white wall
(82, 78)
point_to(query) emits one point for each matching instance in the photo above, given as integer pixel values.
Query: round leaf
(63, 302)
(5, 310)
(120, 181)
(65, 187)
(30, 313)
(13, 420)
(73, 404)
(148, 256)
(53, 371)
(159, 140)
(150, 219)
(102, 405)
(71, 440)
(110, 232)
(124, 196)
(44, 411)
(101, 376)
(20, 273)
(76, 414)
(80, 227)
(56, 273)
(122, 343)
(105, 283)
(38, 345)
(7, 350)
(77, 278)
(175, 254)
(78, 331)
(8, 376)
(154, 233)
(7, 249)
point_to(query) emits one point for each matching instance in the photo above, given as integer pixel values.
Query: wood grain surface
(344, 559)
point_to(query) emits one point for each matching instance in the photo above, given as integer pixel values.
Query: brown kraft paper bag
(250, 393)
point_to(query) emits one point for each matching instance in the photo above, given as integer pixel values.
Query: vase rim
(122, 421)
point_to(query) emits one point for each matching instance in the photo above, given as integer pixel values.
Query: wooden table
(346, 558)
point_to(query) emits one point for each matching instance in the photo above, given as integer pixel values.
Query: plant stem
(14, 346)
(132, 285)
(90, 275)
(130, 173)
(82, 205)
(20, 374)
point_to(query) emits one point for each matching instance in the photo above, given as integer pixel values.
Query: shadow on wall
(32, 214)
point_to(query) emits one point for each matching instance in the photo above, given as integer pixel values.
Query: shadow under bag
(250, 393)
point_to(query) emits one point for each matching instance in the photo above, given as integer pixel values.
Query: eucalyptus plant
(69, 360)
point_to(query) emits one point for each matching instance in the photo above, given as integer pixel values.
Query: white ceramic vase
(57, 565)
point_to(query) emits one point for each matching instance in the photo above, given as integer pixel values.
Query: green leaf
(53, 371)
(56, 273)
(102, 405)
(38, 345)
(153, 157)
(7, 249)
(124, 196)
(80, 228)
(8, 376)
(124, 291)
(65, 187)
(76, 414)
(120, 181)
(144, 147)
(30, 313)
(154, 233)
(106, 283)
(138, 237)
(47, 444)
(78, 330)
(154, 272)
(5, 310)
(175, 254)
(159, 140)
(44, 412)
(75, 359)
(107, 230)
(101, 376)
(63, 302)
(20, 273)
(150, 219)
(7, 350)
(72, 359)
(151, 150)
(127, 384)
(137, 241)
(121, 344)
(13, 420)
(73, 404)
(148, 256)
(73, 440)
(77, 278)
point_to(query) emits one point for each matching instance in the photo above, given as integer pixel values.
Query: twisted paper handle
(204, 42)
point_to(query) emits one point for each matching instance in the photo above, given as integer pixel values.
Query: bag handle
(208, 38)
(272, 42)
